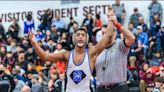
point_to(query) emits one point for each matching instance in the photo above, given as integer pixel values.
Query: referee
(111, 64)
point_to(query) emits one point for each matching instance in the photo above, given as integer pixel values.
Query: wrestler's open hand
(32, 37)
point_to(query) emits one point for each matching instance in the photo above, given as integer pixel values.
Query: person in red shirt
(98, 22)
(146, 77)
(61, 67)
(97, 27)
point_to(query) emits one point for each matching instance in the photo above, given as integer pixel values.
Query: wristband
(118, 25)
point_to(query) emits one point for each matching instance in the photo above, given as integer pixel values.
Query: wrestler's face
(80, 38)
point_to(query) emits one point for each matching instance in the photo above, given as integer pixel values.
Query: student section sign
(20, 9)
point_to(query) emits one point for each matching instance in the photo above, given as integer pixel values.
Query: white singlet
(78, 76)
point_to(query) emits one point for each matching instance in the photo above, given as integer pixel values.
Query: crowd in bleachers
(21, 66)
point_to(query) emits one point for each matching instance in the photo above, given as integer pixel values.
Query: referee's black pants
(118, 88)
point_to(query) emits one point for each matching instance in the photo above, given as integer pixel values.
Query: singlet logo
(77, 76)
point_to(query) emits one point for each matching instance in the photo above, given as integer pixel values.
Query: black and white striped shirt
(114, 70)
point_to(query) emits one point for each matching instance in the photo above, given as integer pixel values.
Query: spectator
(155, 7)
(63, 81)
(53, 68)
(53, 82)
(75, 27)
(36, 86)
(88, 22)
(156, 59)
(161, 72)
(72, 30)
(2, 54)
(58, 36)
(29, 78)
(45, 20)
(18, 49)
(12, 46)
(22, 61)
(129, 77)
(143, 24)
(142, 73)
(8, 83)
(133, 67)
(43, 79)
(132, 62)
(155, 25)
(18, 74)
(38, 64)
(143, 39)
(40, 43)
(13, 29)
(119, 10)
(136, 50)
(64, 38)
(146, 77)
(54, 34)
(31, 55)
(2, 41)
(8, 39)
(31, 68)
(28, 24)
(98, 25)
(98, 21)
(64, 42)
(58, 22)
(48, 36)
(61, 67)
(162, 88)
(157, 84)
(51, 45)
(59, 48)
(132, 29)
(25, 44)
(46, 67)
(19, 85)
(135, 17)
(10, 60)
(39, 35)
(2, 30)
(160, 39)
(26, 89)
(70, 25)
(100, 33)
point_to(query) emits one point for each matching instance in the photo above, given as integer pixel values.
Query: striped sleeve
(125, 49)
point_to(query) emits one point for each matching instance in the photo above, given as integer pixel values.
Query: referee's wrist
(117, 25)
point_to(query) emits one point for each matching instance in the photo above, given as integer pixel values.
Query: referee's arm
(129, 36)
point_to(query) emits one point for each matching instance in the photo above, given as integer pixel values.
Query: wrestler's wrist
(34, 42)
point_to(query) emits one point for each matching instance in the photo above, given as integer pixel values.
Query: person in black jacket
(2, 30)
(13, 29)
(7, 83)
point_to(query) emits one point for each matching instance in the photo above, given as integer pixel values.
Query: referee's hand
(111, 15)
